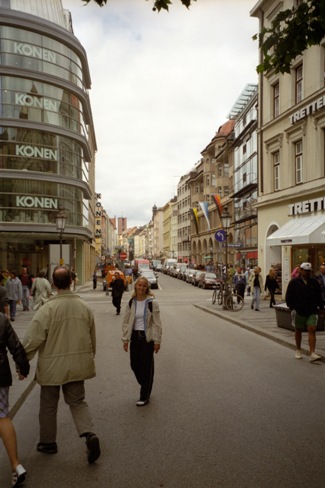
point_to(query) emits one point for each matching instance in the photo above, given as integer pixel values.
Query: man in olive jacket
(63, 333)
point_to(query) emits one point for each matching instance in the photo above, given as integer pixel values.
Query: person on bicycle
(239, 281)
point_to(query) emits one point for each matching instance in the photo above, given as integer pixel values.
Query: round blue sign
(220, 235)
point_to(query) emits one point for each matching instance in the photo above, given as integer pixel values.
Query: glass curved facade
(47, 142)
(31, 51)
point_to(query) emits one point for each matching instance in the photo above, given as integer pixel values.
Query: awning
(301, 230)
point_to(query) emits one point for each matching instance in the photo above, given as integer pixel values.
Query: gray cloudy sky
(162, 84)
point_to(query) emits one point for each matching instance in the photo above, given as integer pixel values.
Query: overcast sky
(162, 84)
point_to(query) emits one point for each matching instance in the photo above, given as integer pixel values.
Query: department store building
(291, 167)
(47, 140)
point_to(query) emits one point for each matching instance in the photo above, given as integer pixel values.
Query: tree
(291, 32)
(157, 4)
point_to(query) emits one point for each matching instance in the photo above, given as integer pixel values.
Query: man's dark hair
(62, 277)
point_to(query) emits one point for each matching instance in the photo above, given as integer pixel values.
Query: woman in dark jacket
(271, 284)
(9, 340)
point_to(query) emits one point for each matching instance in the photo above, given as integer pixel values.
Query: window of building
(207, 180)
(220, 171)
(298, 83)
(298, 162)
(276, 170)
(213, 180)
(276, 99)
(226, 190)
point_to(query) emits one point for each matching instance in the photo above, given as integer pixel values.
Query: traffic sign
(220, 235)
(123, 256)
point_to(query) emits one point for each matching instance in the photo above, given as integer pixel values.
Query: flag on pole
(217, 201)
(204, 207)
(195, 218)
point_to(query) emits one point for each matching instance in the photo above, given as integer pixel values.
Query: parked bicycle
(226, 295)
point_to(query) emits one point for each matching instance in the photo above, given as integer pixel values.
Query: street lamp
(225, 218)
(60, 226)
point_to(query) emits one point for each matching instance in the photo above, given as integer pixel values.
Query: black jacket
(9, 339)
(304, 298)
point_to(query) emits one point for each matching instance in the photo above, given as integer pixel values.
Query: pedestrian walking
(271, 285)
(117, 291)
(256, 284)
(239, 281)
(142, 329)
(15, 293)
(304, 299)
(4, 302)
(10, 341)
(63, 333)
(94, 280)
(26, 281)
(247, 275)
(41, 290)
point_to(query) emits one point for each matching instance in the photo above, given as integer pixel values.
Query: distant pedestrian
(9, 340)
(94, 280)
(304, 298)
(26, 281)
(256, 284)
(4, 301)
(41, 290)
(15, 293)
(271, 285)
(63, 333)
(117, 291)
(142, 327)
(239, 281)
(247, 275)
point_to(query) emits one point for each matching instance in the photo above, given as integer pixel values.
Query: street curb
(250, 328)
(14, 409)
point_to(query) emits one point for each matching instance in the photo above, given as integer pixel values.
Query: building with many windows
(47, 140)
(291, 146)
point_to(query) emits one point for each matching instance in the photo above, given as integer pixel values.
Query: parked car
(151, 277)
(190, 275)
(208, 280)
(186, 273)
(195, 277)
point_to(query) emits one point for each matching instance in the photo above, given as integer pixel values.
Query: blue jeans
(256, 297)
(13, 307)
(25, 299)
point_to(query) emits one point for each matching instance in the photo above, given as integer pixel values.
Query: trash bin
(284, 319)
(283, 316)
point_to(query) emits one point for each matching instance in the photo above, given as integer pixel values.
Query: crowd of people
(62, 334)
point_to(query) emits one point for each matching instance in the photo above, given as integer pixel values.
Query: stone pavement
(262, 322)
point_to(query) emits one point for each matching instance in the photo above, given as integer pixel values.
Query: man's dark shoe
(47, 448)
(93, 448)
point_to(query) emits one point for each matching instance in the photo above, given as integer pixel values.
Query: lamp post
(225, 218)
(60, 226)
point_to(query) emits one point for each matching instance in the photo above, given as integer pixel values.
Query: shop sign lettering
(36, 202)
(34, 52)
(36, 102)
(308, 110)
(307, 206)
(36, 152)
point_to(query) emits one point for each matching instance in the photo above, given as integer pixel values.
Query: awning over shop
(303, 230)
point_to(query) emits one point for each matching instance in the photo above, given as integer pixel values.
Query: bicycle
(227, 296)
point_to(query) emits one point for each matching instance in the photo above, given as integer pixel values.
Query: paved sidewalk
(262, 322)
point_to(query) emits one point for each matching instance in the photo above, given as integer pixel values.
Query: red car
(208, 280)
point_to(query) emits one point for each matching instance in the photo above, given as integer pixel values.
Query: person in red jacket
(9, 340)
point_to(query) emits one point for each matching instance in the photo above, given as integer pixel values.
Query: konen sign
(36, 152)
(36, 202)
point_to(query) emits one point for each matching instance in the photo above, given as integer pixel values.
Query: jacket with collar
(63, 333)
(152, 321)
(9, 339)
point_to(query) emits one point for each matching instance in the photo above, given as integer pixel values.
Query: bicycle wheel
(234, 303)
(214, 297)
(220, 297)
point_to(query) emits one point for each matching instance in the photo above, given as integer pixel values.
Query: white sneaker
(298, 354)
(314, 357)
(18, 476)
